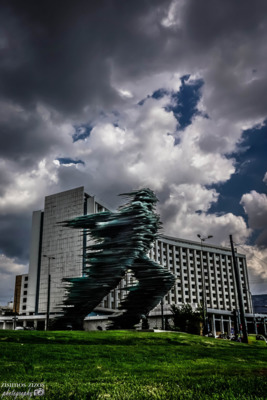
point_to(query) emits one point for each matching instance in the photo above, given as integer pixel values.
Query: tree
(185, 319)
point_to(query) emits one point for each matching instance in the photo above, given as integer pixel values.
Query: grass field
(130, 365)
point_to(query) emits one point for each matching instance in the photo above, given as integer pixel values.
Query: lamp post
(15, 319)
(204, 297)
(239, 293)
(162, 315)
(48, 290)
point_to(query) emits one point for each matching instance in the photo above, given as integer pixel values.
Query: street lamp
(239, 292)
(162, 315)
(15, 319)
(204, 297)
(48, 290)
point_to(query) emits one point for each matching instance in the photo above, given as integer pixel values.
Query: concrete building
(189, 261)
(60, 250)
(54, 250)
(20, 294)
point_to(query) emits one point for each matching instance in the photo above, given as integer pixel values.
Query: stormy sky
(116, 95)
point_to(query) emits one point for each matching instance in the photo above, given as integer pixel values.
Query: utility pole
(162, 316)
(239, 294)
(48, 291)
(204, 297)
(15, 319)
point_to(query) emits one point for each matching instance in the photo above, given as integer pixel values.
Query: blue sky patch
(81, 132)
(68, 161)
(186, 100)
(158, 94)
(251, 166)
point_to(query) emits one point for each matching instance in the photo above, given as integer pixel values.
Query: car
(19, 328)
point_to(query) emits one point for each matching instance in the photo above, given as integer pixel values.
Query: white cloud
(185, 215)
(255, 205)
(174, 19)
(188, 225)
(140, 152)
(146, 85)
(257, 267)
(26, 188)
(125, 93)
(9, 267)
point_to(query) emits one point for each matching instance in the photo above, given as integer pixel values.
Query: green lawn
(131, 365)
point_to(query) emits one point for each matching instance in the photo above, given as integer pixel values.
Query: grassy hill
(131, 365)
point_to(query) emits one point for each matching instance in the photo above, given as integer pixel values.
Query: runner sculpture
(121, 242)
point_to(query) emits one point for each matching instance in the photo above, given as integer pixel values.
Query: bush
(185, 319)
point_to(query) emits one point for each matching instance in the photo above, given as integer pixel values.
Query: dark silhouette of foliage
(185, 319)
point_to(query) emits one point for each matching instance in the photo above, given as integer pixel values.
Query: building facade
(54, 250)
(192, 261)
(59, 251)
(189, 262)
(188, 259)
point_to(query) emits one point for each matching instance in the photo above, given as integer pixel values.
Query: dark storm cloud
(65, 53)
(212, 20)
(15, 234)
(261, 240)
(68, 47)
(24, 137)
(233, 36)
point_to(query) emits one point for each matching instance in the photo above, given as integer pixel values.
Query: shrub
(185, 319)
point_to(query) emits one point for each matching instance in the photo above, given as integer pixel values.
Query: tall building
(60, 250)
(55, 250)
